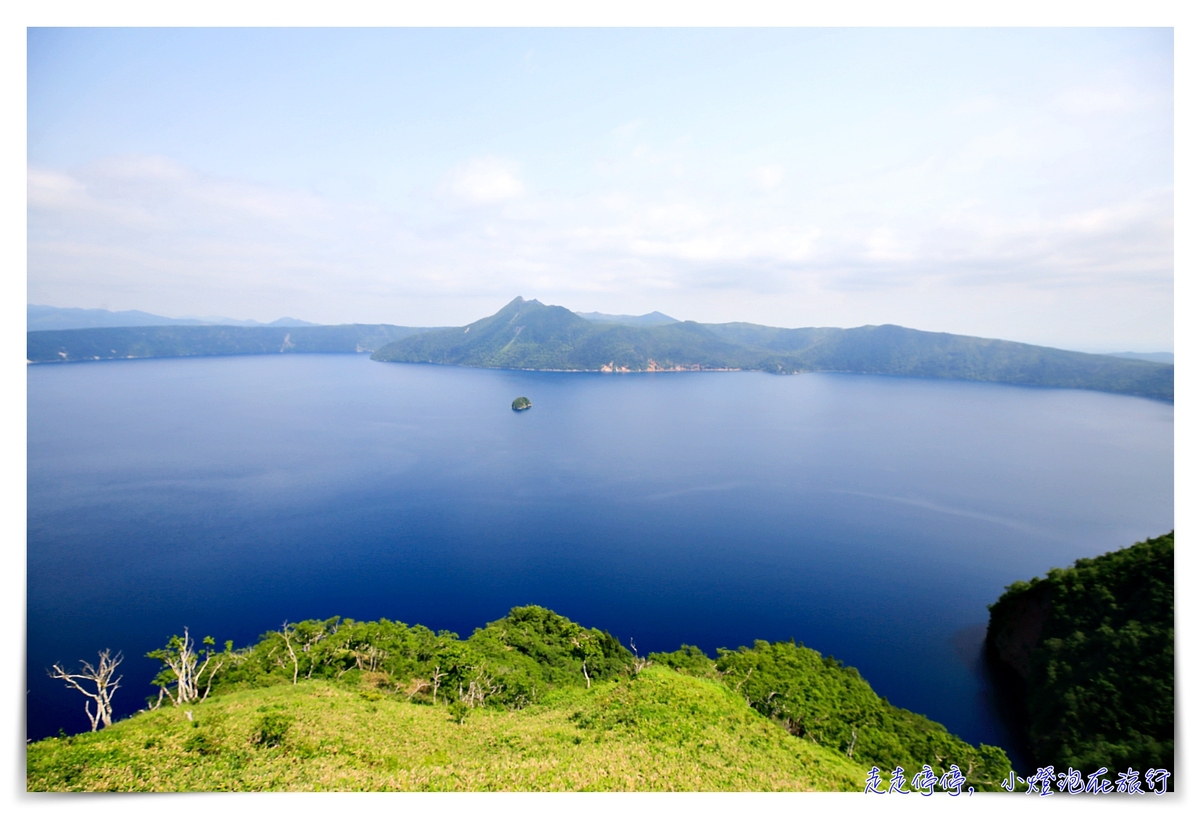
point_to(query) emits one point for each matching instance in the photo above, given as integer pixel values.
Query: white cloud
(981, 104)
(486, 180)
(768, 177)
(1105, 99)
(921, 244)
(886, 244)
(626, 131)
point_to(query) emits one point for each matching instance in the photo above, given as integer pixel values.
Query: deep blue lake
(872, 518)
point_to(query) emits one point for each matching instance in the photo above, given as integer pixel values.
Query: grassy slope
(659, 731)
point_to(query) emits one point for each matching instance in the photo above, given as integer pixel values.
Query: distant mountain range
(42, 317)
(531, 335)
(1156, 357)
(650, 319)
(111, 343)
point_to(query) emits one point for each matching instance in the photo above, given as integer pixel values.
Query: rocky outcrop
(1015, 626)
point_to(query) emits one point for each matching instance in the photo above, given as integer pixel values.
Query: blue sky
(1007, 183)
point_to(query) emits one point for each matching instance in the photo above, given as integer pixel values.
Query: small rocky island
(521, 403)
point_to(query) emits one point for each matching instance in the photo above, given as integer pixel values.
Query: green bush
(200, 742)
(459, 712)
(271, 730)
(688, 659)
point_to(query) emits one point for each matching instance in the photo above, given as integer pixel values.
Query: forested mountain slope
(530, 335)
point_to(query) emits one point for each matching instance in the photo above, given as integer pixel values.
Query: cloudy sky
(1005, 183)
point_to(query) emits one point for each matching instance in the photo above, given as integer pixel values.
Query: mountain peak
(518, 304)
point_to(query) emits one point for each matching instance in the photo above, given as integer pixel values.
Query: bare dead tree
(369, 659)
(416, 686)
(585, 648)
(478, 689)
(219, 663)
(184, 670)
(286, 633)
(853, 741)
(435, 680)
(101, 677)
(859, 719)
(310, 644)
(639, 664)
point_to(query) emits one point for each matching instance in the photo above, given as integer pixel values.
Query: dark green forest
(819, 699)
(1091, 652)
(508, 663)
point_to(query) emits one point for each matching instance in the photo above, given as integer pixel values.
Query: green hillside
(532, 701)
(1091, 649)
(659, 731)
(110, 343)
(530, 335)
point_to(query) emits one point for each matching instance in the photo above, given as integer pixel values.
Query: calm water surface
(872, 518)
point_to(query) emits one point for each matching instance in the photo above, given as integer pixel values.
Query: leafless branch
(101, 677)
(287, 640)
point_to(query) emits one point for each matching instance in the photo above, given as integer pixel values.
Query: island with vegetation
(531, 335)
(521, 404)
(1089, 652)
(532, 701)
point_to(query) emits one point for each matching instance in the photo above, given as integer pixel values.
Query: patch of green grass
(659, 731)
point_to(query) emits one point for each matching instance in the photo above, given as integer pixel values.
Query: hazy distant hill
(650, 319)
(531, 335)
(41, 317)
(1157, 357)
(182, 341)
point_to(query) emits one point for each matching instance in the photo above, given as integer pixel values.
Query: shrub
(271, 730)
(459, 712)
(202, 743)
